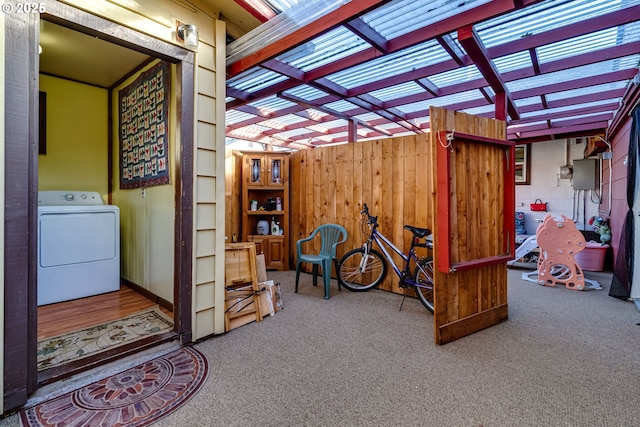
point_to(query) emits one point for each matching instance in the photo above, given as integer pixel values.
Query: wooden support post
(501, 106)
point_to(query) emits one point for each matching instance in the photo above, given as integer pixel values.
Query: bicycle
(365, 268)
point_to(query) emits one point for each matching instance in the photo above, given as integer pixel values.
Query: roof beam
(470, 41)
(448, 44)
(558, 131)
(568, 113)
(577, 83)
(327, 110)
(365, 32)
(300, 36)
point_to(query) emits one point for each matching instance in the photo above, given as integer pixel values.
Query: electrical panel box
(585, 174)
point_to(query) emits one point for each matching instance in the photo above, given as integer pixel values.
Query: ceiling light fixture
(187, 34)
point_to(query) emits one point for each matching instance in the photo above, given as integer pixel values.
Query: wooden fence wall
(397, 179)
(392, 176)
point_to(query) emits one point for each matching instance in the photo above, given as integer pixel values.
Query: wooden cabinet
(265, 181)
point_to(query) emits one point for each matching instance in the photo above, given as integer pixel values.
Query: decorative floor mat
(136, 397)
(86, 342)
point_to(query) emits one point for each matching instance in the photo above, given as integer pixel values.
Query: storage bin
(591, 258)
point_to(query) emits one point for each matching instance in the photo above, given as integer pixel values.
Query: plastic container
(591, 258)
(263, 227)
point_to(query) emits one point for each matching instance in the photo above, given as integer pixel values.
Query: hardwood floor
(67, 316)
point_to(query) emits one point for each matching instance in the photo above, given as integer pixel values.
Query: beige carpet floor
(564, 358)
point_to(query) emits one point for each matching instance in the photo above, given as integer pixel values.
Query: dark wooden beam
(448, 44)
(534, 61)
(427, 85)
(470, 41)
(558, 132)
(285, 69)
(568, 113)
(365, 32)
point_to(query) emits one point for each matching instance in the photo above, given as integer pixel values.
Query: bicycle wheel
(350, 276)
(424, 276)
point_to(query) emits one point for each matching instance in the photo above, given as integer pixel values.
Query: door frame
(21, 183)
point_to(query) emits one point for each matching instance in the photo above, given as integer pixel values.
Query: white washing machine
(78, 246)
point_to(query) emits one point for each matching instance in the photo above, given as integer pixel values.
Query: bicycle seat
(417, 231)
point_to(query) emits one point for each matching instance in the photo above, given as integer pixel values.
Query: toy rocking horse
(559, 241)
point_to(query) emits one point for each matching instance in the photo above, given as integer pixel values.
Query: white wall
(547, 185)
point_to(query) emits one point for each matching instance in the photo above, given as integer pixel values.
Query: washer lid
(69, 198)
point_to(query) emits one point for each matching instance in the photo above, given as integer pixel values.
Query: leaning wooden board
(242, 299)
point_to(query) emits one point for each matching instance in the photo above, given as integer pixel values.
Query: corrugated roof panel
(324, 49)
(398, 91)
(514, 128)
(315, 114)
(564, 109)
(271, 104)
(588, 43)
(516, 61)
(441, 101)
(485, 109)
(418, 56)
(544, 16)
(332, 124)
(282, 5)
(255, 79)
(249, 132)
(523, 102)
(294, 132)
(281, 121)
(400, 17)
(574, 93)
(575, 73)
(235, 116)
(341, 106)
(368, 117)
(459, 75)
(307, 93)
(577, 117)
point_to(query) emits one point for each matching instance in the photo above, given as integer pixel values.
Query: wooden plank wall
(470, 300)
(392, 176)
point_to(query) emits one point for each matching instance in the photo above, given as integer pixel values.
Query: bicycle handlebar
(373, 220)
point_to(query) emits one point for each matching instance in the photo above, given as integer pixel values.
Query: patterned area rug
(136, 397)
(86, 342)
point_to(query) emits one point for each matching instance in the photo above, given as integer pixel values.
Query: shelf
(265, 212)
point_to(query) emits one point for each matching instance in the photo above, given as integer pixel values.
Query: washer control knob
(69, 197)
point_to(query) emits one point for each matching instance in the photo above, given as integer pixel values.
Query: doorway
(21, 175)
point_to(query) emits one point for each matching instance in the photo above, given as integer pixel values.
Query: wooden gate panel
(473, 184)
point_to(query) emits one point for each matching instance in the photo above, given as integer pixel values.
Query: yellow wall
(157, 19)
(147, 216)
(77, 138)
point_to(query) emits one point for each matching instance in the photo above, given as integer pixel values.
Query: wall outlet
(144, 192)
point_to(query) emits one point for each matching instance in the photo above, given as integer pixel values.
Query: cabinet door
(256, 169)
(260, 246)
(275, 171)
(276, 253)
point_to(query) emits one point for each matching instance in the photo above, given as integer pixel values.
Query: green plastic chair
(331, 235)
